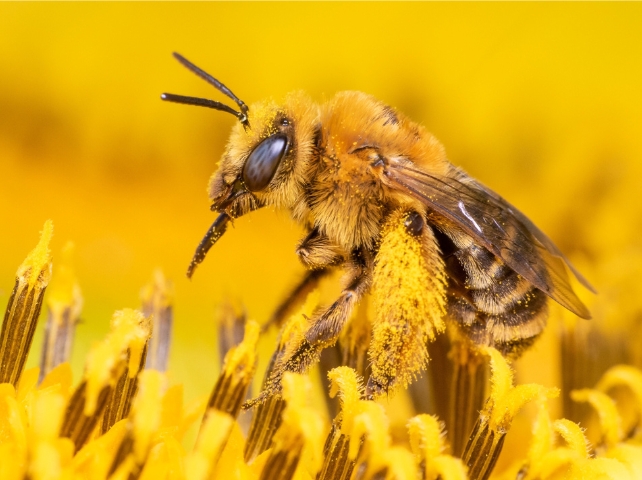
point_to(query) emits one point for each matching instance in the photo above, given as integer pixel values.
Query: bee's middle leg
(326, 324)
(325, 327)
(296, 296)
(319, 255)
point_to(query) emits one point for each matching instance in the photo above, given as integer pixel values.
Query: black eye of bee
(262, 163)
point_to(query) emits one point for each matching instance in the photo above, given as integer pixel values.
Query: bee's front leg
(316, 251)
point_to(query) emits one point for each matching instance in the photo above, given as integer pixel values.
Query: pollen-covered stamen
(427, 444)
(142, 427)
(587, 349)
(157, 299)
(65, 303)
(300, 433)
(265, 422)
(487, 438)
(269, 404)
(231, 320)
(78, 425)
(370, 440)
(122, 394)
(349, 387)
(112, 365)
(23, 309)
(237, 373)
(466, 390)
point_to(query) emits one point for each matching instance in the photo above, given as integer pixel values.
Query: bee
(342, 170)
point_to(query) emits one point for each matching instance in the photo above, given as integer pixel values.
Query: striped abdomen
(491, 303)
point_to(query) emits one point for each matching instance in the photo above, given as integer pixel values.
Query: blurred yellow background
(540, 101)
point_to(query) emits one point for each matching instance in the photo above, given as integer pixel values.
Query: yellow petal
(573, 436)
(345, 383)
(425, 432)
(95, 458)
(48, 410)
(60, 375)
(630, 456)
(604, 405)
(28, 382)
(555, 464)
(449, 468)
(301, 433)
(372, 424)
(146, 413)
(232, 463)
(599, 468)
(542, 441)
(400, 464)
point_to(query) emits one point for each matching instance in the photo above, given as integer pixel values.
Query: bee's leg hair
(296, 296)
(326, 325)
(319, 255)
(316, 251)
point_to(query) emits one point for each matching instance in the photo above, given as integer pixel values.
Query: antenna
(203, 102)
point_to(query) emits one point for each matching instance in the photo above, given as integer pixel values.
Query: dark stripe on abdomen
(492, 304)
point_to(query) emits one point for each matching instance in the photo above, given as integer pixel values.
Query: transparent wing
(495, 224)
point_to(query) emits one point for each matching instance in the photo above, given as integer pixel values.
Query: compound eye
(262, 163)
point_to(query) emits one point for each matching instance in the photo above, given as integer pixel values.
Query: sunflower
(123, 420)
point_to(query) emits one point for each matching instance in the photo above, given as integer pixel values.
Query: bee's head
(268, 154)
(267, 160)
